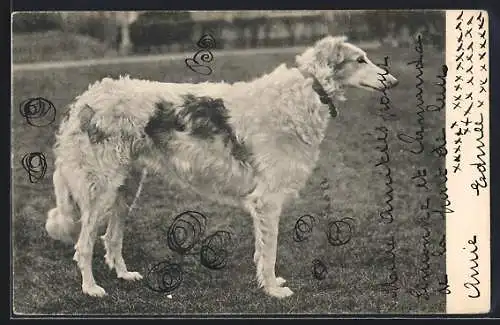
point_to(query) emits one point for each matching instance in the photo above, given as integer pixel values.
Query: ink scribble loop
(164, 277)
(213, 253)
(198, 63)
(35, 164)
(339, 232)
(195, 66)
(38, 111)
(303, 228)
(205, 56)
(319, 269)
(207, 41)
(186, 231)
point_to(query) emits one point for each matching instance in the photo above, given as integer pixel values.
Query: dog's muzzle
(388, 82)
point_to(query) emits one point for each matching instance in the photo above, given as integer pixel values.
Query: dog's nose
(392, 81)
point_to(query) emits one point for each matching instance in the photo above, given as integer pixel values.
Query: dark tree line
(164, 29)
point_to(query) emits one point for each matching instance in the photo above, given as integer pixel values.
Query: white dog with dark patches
(248, 144)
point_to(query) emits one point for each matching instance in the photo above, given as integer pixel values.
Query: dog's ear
(330, 49)
(338, 55)
(337, 52)
(325, 51)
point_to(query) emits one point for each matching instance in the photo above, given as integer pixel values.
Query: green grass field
(46, 280)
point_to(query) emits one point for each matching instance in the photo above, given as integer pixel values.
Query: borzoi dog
(248, 144)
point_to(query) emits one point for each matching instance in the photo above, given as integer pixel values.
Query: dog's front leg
(113, 242)
(265, 215)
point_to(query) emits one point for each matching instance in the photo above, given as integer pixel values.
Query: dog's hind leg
(265, 212)
(113, 241)
(61, 224)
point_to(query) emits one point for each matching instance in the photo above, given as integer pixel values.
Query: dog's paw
(280, 281)
(94, 291)
(130, 276)
(279, 292)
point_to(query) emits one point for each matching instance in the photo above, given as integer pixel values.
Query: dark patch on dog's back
(163, 122)
(207, 117)
(86, 125)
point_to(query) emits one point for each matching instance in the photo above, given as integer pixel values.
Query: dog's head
(336, 64)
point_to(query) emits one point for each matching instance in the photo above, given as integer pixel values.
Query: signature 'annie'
(473, 283)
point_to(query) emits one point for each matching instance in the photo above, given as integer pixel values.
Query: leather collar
(323, 97)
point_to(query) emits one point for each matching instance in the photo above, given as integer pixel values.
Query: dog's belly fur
(204, 166)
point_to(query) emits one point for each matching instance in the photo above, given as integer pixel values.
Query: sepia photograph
(257, 162)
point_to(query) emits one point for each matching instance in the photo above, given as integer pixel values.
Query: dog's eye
(361, 60)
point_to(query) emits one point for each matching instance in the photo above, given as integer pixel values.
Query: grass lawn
(46, 280)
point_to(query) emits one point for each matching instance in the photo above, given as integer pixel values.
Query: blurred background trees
(132, 32)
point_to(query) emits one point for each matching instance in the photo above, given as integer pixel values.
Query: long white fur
(278, 116)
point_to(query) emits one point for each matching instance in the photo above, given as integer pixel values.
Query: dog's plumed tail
(61, 224)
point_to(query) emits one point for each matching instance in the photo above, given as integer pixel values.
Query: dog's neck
(323, 95)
